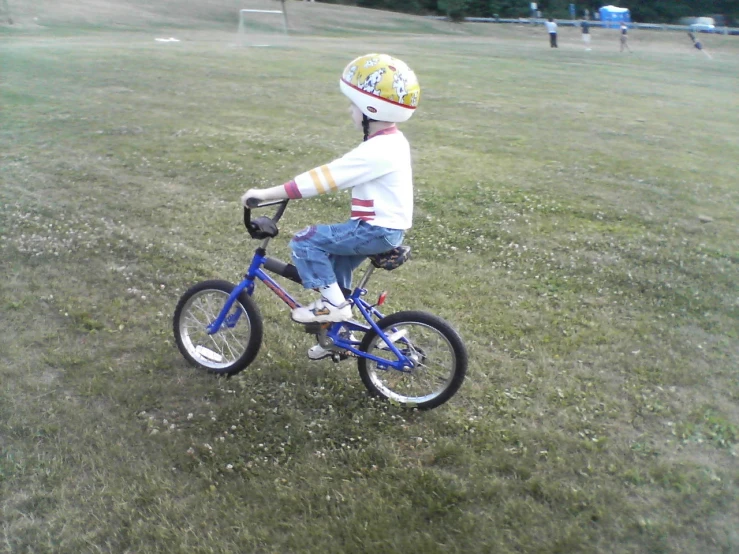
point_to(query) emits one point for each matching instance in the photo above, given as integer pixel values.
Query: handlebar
(263, 224)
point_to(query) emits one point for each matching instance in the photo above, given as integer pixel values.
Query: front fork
(223, 317)
(247, 284)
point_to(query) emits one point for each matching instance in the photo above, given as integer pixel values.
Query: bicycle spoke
(193, 317)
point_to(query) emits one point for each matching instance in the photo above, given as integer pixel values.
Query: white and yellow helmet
(382, 87)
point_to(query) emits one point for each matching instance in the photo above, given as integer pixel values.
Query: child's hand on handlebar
(265, 195)
(251, 193)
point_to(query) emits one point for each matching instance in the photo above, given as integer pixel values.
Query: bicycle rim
(220, 350)
(434, 358)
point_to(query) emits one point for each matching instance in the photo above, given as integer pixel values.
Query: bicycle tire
(419, 327)
(234, 346)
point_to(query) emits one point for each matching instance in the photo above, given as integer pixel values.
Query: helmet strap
(365, 127)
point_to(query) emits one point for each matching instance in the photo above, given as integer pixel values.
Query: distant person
(552, 30)
(625, 37)
(698, 45)
(585, 27)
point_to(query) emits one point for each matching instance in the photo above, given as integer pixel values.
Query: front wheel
(438, 354)
(236, 343)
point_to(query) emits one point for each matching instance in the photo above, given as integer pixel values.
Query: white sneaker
(318, 352)
(322, 311)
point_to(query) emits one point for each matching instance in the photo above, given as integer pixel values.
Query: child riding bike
(411, 357)
(383, 91)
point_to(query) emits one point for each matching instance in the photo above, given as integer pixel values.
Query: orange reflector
(381, 300)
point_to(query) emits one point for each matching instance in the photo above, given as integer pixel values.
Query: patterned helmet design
(382, 87)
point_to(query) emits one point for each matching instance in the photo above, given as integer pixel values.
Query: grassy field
(576, 221)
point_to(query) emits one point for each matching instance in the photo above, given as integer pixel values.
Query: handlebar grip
(252, 202)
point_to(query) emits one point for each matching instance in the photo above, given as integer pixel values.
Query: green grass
(575, 220)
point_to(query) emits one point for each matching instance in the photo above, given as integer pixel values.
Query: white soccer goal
(258, 24)
(5, 11)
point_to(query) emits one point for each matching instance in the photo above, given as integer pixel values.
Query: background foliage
(656, 11)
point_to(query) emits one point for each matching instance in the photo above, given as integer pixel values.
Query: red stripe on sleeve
(291, 188)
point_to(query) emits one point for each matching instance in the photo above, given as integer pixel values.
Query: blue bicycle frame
(368, 311)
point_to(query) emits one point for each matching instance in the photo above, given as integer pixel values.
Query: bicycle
(413, 358)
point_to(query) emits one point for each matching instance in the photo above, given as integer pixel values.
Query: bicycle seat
(391, 259)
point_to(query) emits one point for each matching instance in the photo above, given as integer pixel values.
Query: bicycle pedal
(337, 357)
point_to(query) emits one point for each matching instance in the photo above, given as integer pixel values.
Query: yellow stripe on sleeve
(329, 178)
(317, 181)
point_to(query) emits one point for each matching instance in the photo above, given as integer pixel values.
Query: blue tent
(611, 16)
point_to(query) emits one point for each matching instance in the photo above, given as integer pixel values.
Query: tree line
(647, 11)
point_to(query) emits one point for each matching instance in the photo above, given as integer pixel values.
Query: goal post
(248, 17)
(5, 11)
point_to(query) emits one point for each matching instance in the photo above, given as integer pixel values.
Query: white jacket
(379, 173)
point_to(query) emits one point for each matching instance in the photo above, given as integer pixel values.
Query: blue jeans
(326, 254)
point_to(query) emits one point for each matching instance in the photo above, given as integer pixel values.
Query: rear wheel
(236, 343)
(438, 354)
